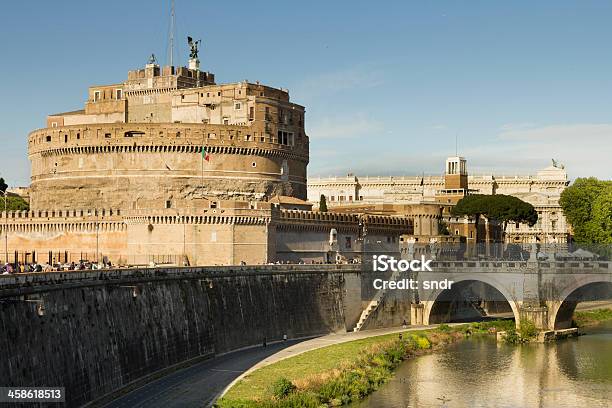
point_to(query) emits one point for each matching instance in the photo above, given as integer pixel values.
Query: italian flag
(205, 154)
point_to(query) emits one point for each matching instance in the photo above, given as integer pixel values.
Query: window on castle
(237, 106)
(213, 204)
(168, 204)
(53, 124)
(107, 135)
(218, 93)
(118, 94)
(48, 138)
(251, 113)
(96, 96)
(285, 138)
(65, 138)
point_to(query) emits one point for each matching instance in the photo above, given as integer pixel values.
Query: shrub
(527, 330)
(282, 388)
(444, 328)
(423, 343)
(512, 336)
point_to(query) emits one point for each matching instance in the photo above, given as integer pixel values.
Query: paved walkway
(201, 384)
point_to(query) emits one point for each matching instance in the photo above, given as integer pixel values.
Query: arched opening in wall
(595, 295)
(469, 301)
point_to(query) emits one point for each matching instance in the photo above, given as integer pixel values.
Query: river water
(481, 373)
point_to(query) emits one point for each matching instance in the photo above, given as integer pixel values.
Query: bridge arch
(435, 296)
(561, 310)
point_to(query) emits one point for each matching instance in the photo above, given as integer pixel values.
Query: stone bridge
(544, 292)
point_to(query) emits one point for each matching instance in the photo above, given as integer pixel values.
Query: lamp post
(178, 220)
(97, 235)
(5, 195)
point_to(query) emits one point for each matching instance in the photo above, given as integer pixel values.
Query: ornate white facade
(542, 190)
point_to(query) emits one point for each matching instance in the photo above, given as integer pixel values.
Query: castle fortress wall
(97, 337)
(145, 165)
(77, 233)
(228, 234)
(219, 236)
(305, 235)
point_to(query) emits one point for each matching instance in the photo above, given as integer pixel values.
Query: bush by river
(343, 373)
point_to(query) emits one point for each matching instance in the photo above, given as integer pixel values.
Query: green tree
(15, 203)
(587, 205)
(500, 207)
(323, 204)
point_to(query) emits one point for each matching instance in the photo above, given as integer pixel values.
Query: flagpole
(202, 164)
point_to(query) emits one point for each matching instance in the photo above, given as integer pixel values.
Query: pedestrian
(404, 324)
(265, 343)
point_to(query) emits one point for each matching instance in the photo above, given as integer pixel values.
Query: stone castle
(170, 167)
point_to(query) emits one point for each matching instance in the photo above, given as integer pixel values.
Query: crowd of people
(20, 267)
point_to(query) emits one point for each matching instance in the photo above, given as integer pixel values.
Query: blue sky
(387, 86)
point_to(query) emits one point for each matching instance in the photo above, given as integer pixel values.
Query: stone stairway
(373, 305)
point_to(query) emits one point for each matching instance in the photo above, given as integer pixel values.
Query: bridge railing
(505, 266)
(550, 252)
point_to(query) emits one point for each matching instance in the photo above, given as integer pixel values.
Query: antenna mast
(171, 39)
(456, 136)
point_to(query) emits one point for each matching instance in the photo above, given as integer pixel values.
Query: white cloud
(325, 84)
(439, 127)
(339, 127)
(584, 148)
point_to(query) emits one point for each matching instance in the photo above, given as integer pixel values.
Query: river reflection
(480, 373)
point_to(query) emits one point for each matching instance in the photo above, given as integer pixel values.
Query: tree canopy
(503, 208)
(587, 205)
(323, 204)
(14, 202)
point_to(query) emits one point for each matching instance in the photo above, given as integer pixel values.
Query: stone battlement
(160, 137)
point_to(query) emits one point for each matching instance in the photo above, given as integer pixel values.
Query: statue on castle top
(193, 45)
(557, 164)
(152, 59)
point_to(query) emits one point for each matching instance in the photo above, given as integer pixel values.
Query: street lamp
(97, 236)
(5, 195)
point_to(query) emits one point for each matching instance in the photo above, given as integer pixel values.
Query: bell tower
(455, 175)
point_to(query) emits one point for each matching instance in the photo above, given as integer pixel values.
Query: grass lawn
(590, 317)
(257, 384)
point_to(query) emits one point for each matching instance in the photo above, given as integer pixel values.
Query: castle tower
(455, 175)
(455, 181)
